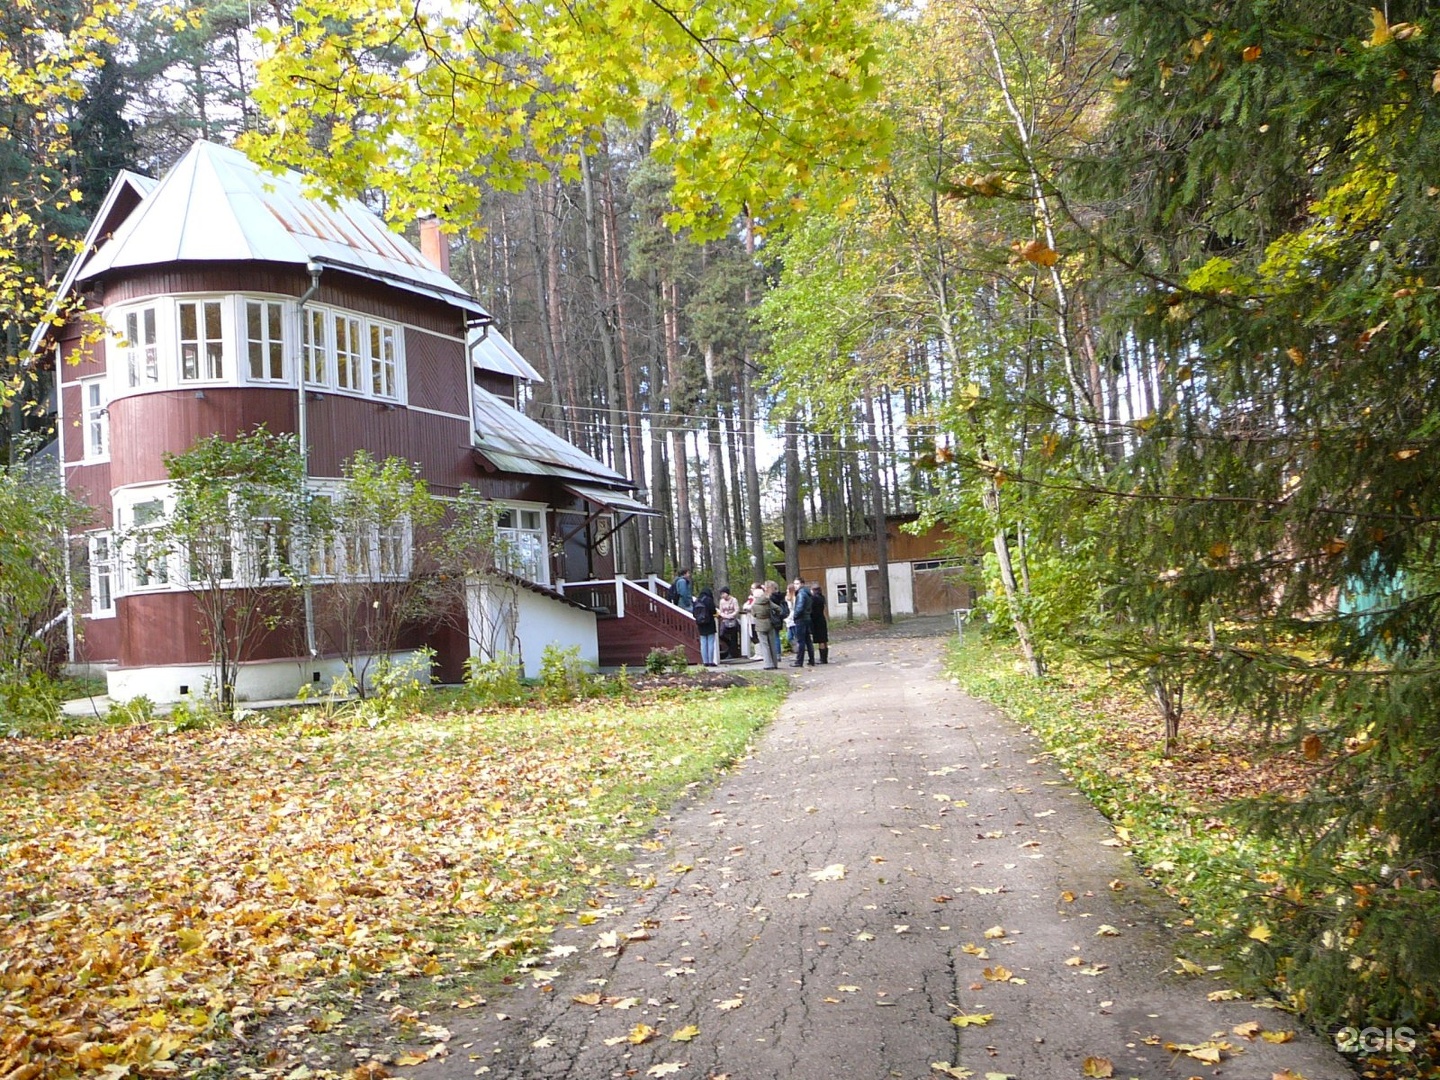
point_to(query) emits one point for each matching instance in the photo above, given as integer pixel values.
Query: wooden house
(930, 573)
(218, 286)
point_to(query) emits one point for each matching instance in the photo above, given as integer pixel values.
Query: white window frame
(271, 340)
(95, 419)
(317, 353)
(523, 547)
(351, 366)
(383, 354)
(100, 559)
(323, 551)
(138, 345)
(208, 368)
(269, 550)
(163, 579)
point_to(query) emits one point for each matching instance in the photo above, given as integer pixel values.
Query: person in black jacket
(819, 622)
(802, 613)
(704, 612)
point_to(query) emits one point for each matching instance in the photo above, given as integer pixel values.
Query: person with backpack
(682, 592)
(802, 613)
(704, 611)
(761, 616)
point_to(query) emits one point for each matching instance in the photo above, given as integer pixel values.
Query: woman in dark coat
(819, 625)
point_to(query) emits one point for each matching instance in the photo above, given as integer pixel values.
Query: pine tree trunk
(877, 504)
(640, 551)
(792, 499)
(719, 500)
(684, 532)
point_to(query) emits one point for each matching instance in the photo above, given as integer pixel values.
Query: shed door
(942, 589)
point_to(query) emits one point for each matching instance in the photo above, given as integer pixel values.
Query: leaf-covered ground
(168, 896)
(1176, 813)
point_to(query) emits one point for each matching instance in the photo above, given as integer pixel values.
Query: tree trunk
(792, 499)
(877, 503)
(718, 502)
(684, 531)
(748, 427)
(640, 554)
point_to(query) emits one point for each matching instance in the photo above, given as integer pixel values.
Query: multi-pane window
(102, 574)
(382, 360)
(316, 346)
(150, 562)
(212, 558)
(265, 339)
(349, 349)
(391, 541)
(97, 419)
(521, 542)
(236, 338)
(202, 340)
(140, 348)
(321, 539)
(270, 547)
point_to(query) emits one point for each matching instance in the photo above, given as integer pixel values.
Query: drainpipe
(302, 435)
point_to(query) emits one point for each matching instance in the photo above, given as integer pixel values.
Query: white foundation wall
(531, 623)
(259, 680)
(542, 621)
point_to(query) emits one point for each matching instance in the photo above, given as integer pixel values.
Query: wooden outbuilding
(932, 572)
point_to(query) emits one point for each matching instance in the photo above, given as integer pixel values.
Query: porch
(633, 617)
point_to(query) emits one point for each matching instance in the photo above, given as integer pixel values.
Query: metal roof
(490, 351)
(513, 442)
(216, 205)
(620, 502)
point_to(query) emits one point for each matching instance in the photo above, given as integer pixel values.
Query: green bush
(396, 689)
(29, 705)
(499, 681)
(564, 676)
(138, 710)
(659, 660)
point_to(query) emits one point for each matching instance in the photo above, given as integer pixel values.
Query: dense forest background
(1138, 298)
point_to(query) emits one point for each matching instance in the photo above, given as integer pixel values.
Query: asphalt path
(892, 856)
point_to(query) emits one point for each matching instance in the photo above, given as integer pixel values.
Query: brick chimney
(435, 245)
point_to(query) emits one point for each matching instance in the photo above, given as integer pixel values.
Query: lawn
(167, 894)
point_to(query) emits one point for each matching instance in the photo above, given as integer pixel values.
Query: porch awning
(615, 501)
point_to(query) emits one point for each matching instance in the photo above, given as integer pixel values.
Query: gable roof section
(512, 442)
(127, 190)
(216, 205)
(490, 350)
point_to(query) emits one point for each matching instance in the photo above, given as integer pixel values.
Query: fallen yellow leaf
(972, 1019)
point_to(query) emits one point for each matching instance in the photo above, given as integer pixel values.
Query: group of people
(795, 618)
